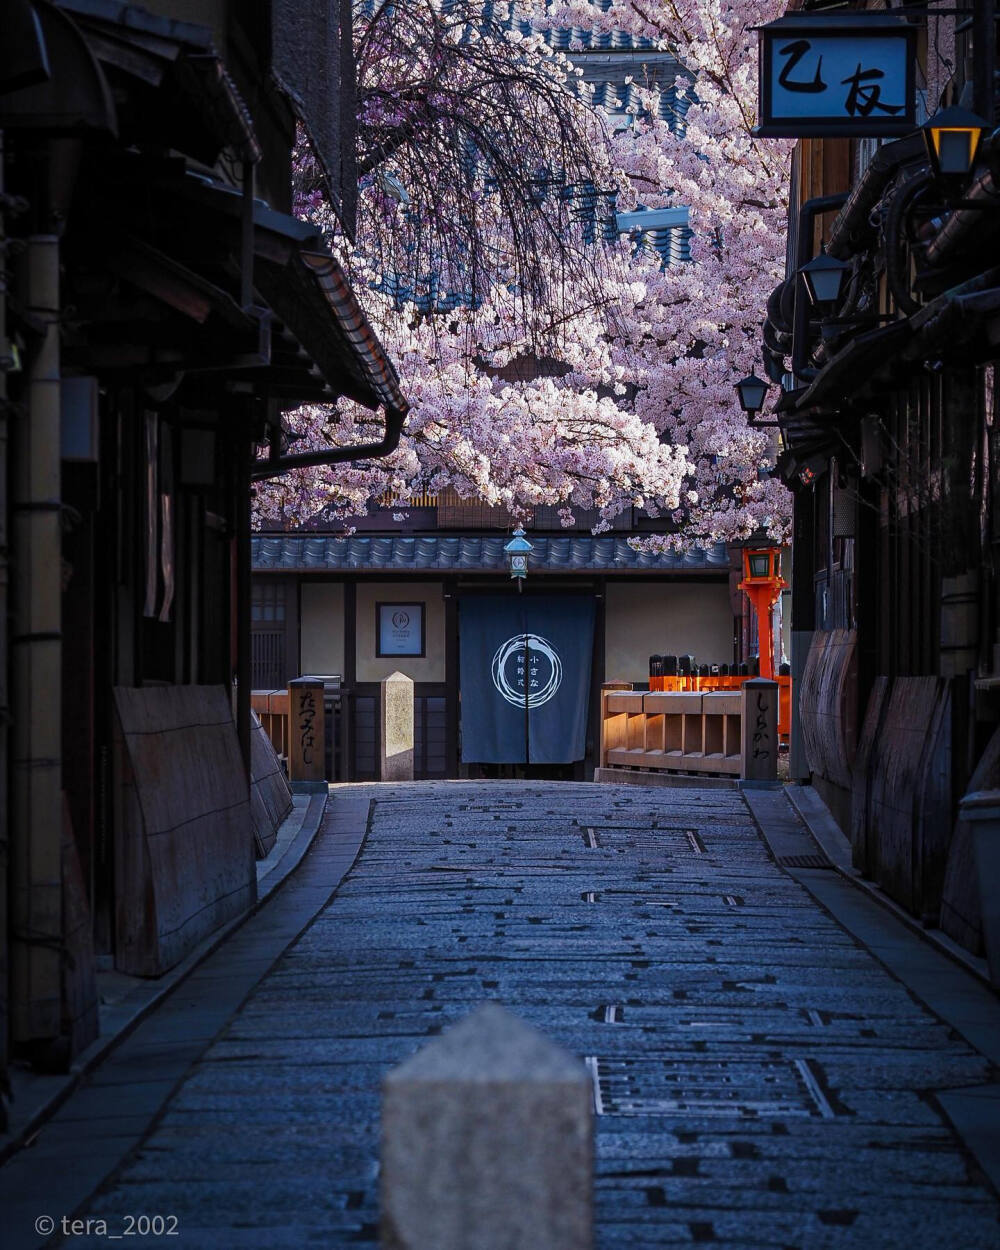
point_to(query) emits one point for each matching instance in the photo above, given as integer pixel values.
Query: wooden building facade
(318, 597)
(163, 309)
(889, 421)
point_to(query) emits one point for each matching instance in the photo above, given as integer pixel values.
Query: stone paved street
(760, 1079)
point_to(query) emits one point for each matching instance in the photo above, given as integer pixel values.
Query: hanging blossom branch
(544, 367)
(471, 140)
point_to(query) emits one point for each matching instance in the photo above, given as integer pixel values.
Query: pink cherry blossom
(601, 381)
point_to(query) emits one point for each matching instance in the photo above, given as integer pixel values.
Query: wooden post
(306, 731)
(760, 730)
(608, 740)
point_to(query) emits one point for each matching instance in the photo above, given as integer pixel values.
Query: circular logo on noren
(527, 662)
(400, 619)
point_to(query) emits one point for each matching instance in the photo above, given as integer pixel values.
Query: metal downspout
(274, 467)
(4, 669)
(244, 572)
(36, 672)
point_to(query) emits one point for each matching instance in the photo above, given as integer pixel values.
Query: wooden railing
(312, 739)
(272, 708)
(732, 682)
(724, 733)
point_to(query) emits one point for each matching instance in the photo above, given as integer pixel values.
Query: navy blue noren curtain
(525, 677)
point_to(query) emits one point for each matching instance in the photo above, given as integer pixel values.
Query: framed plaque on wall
(399, 629)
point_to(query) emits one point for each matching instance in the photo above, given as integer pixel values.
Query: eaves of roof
(466, 553)
(309, 291)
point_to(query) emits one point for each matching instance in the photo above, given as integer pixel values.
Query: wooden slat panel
(183, 845)
(828, 700)
(909, 806)
(365, 737)
(961, 909)
(270, 795)
(862, 850)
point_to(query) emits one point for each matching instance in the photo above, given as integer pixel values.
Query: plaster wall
(665, 618)
(430, 666)
(321, 637)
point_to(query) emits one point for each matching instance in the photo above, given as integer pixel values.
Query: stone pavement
(760, 1078)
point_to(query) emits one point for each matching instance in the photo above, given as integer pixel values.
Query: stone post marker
(980, 811)
(396, 705)
(487, 1142)
(760, 730)
(306, 730)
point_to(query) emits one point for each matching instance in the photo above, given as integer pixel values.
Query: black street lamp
(751, 392)
(952, 137)
(824, 277)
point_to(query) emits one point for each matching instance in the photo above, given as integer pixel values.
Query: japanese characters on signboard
(837, 75)
(400, 628)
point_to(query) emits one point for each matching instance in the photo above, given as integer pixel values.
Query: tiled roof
(368, 353)
(461, 553)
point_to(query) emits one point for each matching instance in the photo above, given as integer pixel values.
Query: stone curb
(835, 848)
(60, 1088)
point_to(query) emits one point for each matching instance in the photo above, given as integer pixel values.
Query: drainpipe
(984, 38)
(276, 465)
(36, 673)
(5, 363)
(244, 451)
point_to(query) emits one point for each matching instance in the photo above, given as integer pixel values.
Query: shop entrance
(525, 680)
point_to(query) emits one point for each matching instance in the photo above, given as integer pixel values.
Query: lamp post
(517, 551)
(762, 582)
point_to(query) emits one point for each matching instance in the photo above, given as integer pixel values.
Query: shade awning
(855, 365)
(298, 277)
(189, 96)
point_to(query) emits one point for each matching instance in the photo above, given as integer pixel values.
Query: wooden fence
(272, 708)
(723, 733)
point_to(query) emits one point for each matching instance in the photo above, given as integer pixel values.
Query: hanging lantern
(952, 138)
(517, 551)
(751, 392)
(824, 278)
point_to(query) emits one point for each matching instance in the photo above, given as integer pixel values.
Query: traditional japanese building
(163, 308)
(322, 601)
(326, 605)
(888, 416)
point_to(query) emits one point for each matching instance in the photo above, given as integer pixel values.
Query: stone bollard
(760, 730)
(980, 812)
(396, 706)
(487, 1142)
(306, 733)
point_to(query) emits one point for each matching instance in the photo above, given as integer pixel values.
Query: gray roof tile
(583, 552)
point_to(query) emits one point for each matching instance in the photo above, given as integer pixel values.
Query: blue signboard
(525, 678)
(837, 75)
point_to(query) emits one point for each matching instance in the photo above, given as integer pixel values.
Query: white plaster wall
(665, 618)
(429, 667)
(321, 628)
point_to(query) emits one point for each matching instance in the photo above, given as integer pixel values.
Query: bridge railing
(730, 733)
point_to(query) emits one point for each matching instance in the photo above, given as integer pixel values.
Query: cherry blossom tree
(549, 360)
